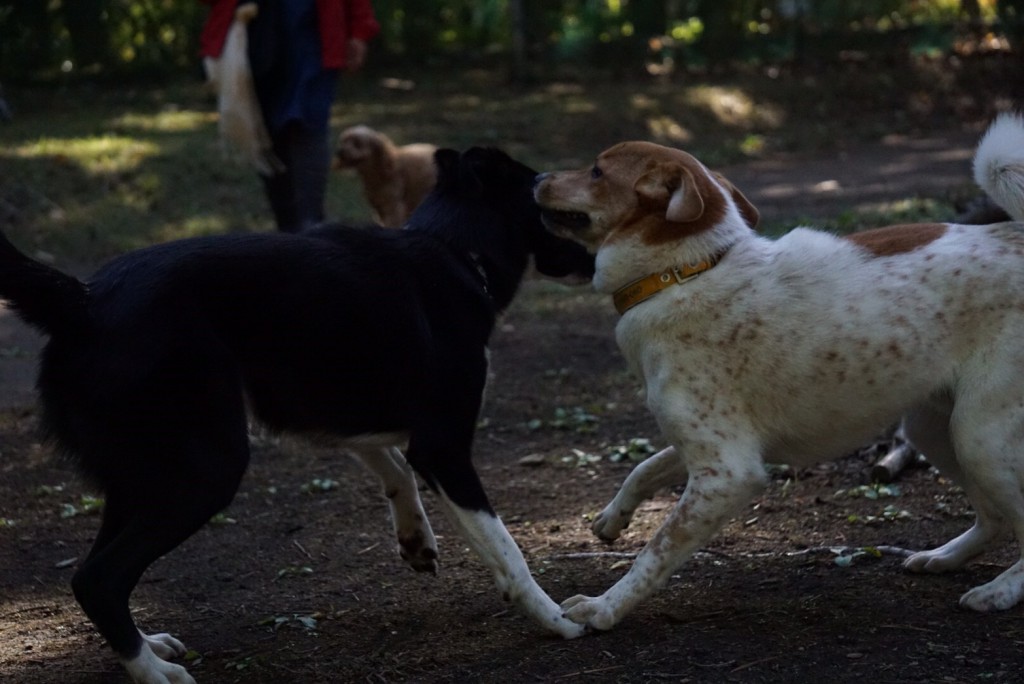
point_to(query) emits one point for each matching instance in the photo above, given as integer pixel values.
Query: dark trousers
(297, 195)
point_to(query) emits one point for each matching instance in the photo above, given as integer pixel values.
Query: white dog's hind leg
(148, 668)
(489, 539)
(927, 428)
(988, 436)
(663, 469)
(416, 542)
(998, 500)
(714, 493)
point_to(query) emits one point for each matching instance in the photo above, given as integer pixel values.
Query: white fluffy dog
(799, 349)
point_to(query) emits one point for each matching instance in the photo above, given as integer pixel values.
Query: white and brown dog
(798, 349)
(395, 178)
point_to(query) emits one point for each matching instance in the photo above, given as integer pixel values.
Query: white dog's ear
(672, 186)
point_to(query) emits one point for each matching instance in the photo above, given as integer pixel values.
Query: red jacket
(339, 21)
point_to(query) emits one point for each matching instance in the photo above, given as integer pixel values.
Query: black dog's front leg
(440, 452)
(489, 539)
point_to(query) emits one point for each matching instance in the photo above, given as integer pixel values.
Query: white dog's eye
(596, 173)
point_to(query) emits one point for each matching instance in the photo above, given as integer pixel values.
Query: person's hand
(356, 54)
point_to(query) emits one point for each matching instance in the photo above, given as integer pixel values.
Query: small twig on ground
(752, 663)
(589, 672)
(883, 549)
(913, 627)
(301, 548)
(28, 609)
(592, 554)
(289, 670)
(368, 549)
(675, 619)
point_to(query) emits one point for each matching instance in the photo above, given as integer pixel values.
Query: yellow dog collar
(628, 296)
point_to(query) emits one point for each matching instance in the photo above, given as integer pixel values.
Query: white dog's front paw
(934, 562)
(566, 628)
(589, 611)
(946, 558)
(164, 646)
(610, 522)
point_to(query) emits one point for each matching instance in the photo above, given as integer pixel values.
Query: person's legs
(297, 195)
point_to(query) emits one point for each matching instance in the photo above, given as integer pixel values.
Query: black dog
(376, 334)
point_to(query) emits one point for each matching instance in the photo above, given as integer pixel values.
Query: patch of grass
(87, 173)
(126, 172)
(901, 211)
(908, 210)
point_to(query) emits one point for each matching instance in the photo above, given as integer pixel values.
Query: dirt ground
(300, 581)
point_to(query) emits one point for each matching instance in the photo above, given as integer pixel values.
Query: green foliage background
(113, 143)
(59, 39)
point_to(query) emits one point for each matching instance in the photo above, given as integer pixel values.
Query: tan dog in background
(800, 349)
(395, 178)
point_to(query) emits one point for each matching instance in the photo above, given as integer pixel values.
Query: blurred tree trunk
(972, 9)
(28, 30)
(418, 32)
(518, 23)
(529, 24)
(649, 19)
(90, 39)
(1011, 15)
(723, 30)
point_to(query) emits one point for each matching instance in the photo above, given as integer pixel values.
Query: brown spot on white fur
(898, 239)
(685, 196)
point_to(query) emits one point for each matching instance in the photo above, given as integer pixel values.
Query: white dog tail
(999, 164)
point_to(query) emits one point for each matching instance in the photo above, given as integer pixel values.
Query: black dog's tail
(42, 296)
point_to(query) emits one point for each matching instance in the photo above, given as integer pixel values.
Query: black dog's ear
(476, 165)
(479, 156)
(447, 162)
(492, 167)
(496, 159)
